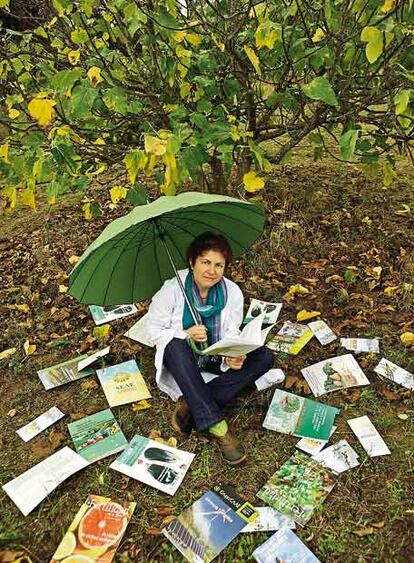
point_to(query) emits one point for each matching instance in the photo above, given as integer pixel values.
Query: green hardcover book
(97, 436)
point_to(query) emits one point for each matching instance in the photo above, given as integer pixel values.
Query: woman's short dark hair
(209, 241)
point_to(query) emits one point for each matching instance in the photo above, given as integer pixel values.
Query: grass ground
(328, 227)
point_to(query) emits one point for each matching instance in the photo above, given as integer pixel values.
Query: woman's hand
(198, 333)
(235, 363)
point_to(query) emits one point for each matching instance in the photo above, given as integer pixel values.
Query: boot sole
(177, 428)
(236, 462)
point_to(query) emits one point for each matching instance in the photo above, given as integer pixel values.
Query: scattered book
(298, 487)
(358, 345)
(206, 527)
(322, 332)
(154, 464)
(96, 531)
(394, 373)
(269, 378)
(39, 424)
(284, 547)
(269, 520)
(291, 338)
(291, 414)
(336, 373)
(368, 436)
(31, 487)
(110, 313)
(339, 457)
(312, 446)
(123, 383)
(97, 436)
(66, 372)
(271, 311)
(89, 360)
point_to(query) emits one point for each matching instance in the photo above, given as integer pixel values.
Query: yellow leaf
(42, 110)
(171, 174)
(387, 6)
(4, 152)
(134, 161)
(407, 338)
(14, 113)
(193, 38)
(105, 36)
(406, 210)
(305, 315)
(390, 290)
(10, 193)
(5, 4)
(29, 348)
(266, 35)
(180, 36)
(318, 35)
(298, 289)
(99, 141)
(252, 182)
(253, 58)
(73, 57)
(63, 288)
(141, 405)
(107, 17)
(154, 145)
(117, 193)
(28, 198)
(7, 353)
(86, 208)
(73, 259)
(101, 332)
(24, 308)
(172, 442)
(94, 76)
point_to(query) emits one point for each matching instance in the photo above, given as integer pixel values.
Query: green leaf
(401, 101)
(138, 195)
(82, 100)
(320, 89)
(347, 143)
(79, 36)
(372, 36)
(134, 161)
(116, 99)
(63, 81)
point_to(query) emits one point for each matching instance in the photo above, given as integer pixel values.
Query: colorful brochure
(257, 307)
(394, 373)
(368, 436)
(336, 373)
(291, 414)
(31, 487)
(298, 487)
(63, 373)
(312, 446)
(95, 532)
(322, 332)
(358, 345)
(291, 338)
(286, 547)
(97, 436)
(123, 383)
(269, 520)
(205, 528)
(89, 360)
(154, 464)
(339, 457)
(272, 377)
(109, 313)
(39, 424)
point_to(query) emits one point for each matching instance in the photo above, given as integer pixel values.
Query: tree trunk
(218, 182)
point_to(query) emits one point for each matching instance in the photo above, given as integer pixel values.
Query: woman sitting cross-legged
(203, 385)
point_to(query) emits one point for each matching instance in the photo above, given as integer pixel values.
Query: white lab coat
(164, 321)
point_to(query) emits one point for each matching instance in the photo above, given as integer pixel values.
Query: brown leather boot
(182, 420)
(230, 448)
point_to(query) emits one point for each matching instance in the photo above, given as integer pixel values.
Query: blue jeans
(206, 400)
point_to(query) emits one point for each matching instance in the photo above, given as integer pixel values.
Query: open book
(251, 337)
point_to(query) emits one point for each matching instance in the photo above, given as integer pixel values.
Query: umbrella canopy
(131, 258)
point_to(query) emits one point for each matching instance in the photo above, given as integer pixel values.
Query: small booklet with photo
(97, 436)
(102, 315)
(298, 487)
(34, 485)
(312, 446)
(271, 311)
(123, 383)
(39, 424)
(206, 527)
(333, 374)
(63, 373)
(322, 332)
(154, 464)
(89, 360)
(269, 520)
(339, 457)
(359, 345)
(368, 436)
(291, 414)
(394, 373)
(96, 531)
(284, 546)
(291, 338)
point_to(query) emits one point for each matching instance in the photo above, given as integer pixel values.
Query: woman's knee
(265, 358)
(176, 347)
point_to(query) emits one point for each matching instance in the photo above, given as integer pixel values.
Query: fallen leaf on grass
(63, 288)
(407, 338)
(153, 531)
(390, 395)
(378, 524)
(390, 290)
(164, 510)
(12, 413)
(7, 353)
(89, 385)
(154, 434)
(24, 308)
(73, 259)
(406, 210)
(56, 438)
(290, 381)
(14, 557)
(101, 332)
(77, 415)
(305, 315)
(29, 348)
(167, 520)
(402, 416)
(141, 405)
(364, 532)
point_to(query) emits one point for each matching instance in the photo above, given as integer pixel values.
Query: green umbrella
(135, 254)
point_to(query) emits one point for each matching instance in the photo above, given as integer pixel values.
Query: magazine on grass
(110, 313)
(63, 373)
(339, 457)
(97, 436)
(31, 487)
(284, 547)
(368, 436)
(123, 383)
(271, 311)
(291, 338)
(332, 374)
(39, 424)
(206, 527)
(291, 414)
(268, 520)
(96, 531)
(394, 373)
(154, 464)
(298, 487)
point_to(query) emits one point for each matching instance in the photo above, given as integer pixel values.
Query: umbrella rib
(155, 252)
(177, 215)
(139, 247)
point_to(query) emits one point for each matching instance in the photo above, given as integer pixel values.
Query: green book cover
(291, 414)
(298, 487)
(97, 436)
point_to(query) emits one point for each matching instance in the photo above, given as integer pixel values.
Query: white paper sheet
(394, 373)
(369, 436)
(269, 520)
(39, 424)
(270, 378)
(92, 358)
(339, 457)
(322, 332)
(359, 345)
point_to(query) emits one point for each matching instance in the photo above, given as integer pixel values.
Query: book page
(368, 436)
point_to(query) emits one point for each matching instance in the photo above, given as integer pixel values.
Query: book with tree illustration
(62, 373)
(154, 464)
(96, 531)
(395, 373)
(123, 383)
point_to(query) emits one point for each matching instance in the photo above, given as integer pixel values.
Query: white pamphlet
(369, 437)
(110, 313)
(358, 345)
(323, 333)
(339, 457)
(39, 424)
(394, 373)
(269, 520)
(92, 358)
(257, 307)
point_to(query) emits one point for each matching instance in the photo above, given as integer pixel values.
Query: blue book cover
(284, 546)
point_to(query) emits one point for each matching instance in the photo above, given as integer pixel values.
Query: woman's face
(208, 269)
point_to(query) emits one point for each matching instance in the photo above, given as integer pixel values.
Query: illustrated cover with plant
(291, 338)
(62, 373)
(123, 383)
(258, 307)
